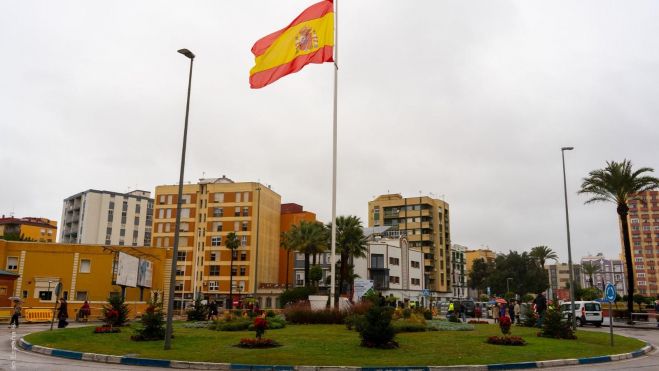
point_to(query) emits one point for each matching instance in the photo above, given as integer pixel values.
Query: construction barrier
(37, 315)
(5, 314)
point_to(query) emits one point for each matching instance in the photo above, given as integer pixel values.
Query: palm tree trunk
(230, 306)
(622, 213)
(288, 259)
(306, 269)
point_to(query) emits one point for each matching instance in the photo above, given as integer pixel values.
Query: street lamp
(172, 281)
(569, 247)
(508, 284)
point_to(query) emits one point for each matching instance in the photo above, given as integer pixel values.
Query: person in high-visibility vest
(451, 308)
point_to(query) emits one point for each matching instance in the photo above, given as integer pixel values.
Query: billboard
(145, 273)
(126, 268)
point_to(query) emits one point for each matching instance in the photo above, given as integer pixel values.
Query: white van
(585, 311)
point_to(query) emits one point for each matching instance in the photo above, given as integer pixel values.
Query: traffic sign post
(58, 291)
(610, 295)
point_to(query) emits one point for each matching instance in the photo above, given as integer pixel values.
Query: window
(168, 213)
(85, 266)
(416, 281)
(243, 240)
(244, 227)
(180, 256)
(377, 260)
(394, 279)
(216, 241)
(110, 215)
(12, 263)
(234, 254)
(243, 270)
(180, 270)
(185, 213)
(394, 261)
(161, 213)
(234, 271)
(186, 199)
(213, 256)
(218, 212)
(111, 205)
(415, 264)
(178, 286)
(136, 221)
(245, 211)
(213, 286)
(45, 295)
(243, 255)
(246, 197)
(218, 197)
(218, 227)
(237, 196)
(137, 208)
(236, 211)
(376, 213)
(184, 227)
(161, 199)
(81, 295)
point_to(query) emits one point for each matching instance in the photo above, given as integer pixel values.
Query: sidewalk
(622, 323)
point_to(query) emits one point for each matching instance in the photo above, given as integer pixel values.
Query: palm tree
(309, 238)
(350, 243)
(285, 242)
(232, 244)
(619, 184)
(590, 269)
(543, 253)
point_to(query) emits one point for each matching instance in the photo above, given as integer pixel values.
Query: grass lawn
(334, 345)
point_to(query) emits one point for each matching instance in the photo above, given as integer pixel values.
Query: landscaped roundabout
(335, 345)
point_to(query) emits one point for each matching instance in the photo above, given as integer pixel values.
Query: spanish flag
(308, 39)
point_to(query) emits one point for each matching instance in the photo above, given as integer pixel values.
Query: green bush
(377, 331)
(302, 314)
(152, 324)
(441, 325)
(553, 326)
(198, 312)
(354, 321)
(116, 311)
(233, 325)
(273, 323)
(530, 318)
(403, 325)
(295, 295)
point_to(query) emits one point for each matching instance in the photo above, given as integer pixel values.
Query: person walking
(496, 312)
(540, 308)
(62, 314)
(463, 312)
(517, 309)
(85, 311)
(212, 310)
(451, 309)
(16, 313)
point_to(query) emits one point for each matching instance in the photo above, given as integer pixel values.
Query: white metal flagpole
(336, 79)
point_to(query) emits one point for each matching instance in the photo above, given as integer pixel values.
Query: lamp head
(187, 53)
(567, 148)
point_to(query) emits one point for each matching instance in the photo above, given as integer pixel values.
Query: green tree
(310, 239)
(480, 271)
(519, 272)
(232, 244)
(619, 184)
(542, 254)
(350, 243)
(590, 269)
(315, 274)
(286, 244)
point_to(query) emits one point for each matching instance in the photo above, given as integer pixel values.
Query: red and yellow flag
(308, 39)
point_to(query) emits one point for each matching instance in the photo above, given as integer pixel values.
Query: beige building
(210, 210)
(473, 255)
(425, 222)
(643, 219)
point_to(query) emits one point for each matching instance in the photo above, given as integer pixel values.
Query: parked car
(470, 307)
(585, 312)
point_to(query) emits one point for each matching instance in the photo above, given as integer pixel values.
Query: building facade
(291, 214)
(107, 218)
(643, 219)
(31, 229)
(459, 271)
(86, 272)
(210, 210)
(559, 276)
(425, 223)
(473, 255)
(609, 270)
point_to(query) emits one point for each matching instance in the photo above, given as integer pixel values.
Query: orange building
(291, 214)
(31, 229)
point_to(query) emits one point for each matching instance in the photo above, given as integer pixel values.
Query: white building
(458, 271)
(110, 218)
(610, 270)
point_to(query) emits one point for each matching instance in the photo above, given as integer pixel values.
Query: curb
(166, 363)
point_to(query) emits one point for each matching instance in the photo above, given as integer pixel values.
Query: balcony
(380, 277)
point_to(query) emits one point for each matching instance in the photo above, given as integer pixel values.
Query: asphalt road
(21, 360)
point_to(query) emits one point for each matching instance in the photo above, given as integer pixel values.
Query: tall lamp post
(172, 280)
(508, 284)
(569, 247)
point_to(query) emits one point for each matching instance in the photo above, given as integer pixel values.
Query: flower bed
(257, 343)
(106, 330)
(477, 322)
(506, 340)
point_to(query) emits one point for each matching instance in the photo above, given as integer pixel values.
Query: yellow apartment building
(210, 210)
(425, 222)
(473, 255)
(86, 272)
(643, 221)
(33, 229)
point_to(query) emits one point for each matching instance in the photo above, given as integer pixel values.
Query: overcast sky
(466, 100)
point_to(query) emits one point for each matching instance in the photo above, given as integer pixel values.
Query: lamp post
(508, 284)
(569, 247)
(172, 281)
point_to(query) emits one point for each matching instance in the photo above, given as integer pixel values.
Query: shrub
(361, 308)
(404, 325)
(257, 343)
(530, 318)
(407, 312)
(554, 326)
(504, 324)
(153, 324)
(270, 313)
(198, 312)
(198, 324)
(302, 314)
(506, 340)
(115, 312)
(453, 318)
(377, 331)
(295, 295)
(477, 322)
(260, 325)
(354, 321)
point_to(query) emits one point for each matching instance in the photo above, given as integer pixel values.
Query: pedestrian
(517, 309)
(463, 312)
(503, 310)
(85, 311)
(451, 309)
(496, 312)
(540, 308)
(656, 312)
(511, 311)
(16, 313)
(62, 314)
(212, 310)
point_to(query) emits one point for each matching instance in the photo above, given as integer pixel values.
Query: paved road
(31, 361)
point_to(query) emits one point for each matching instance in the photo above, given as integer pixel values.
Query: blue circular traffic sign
(610, 292)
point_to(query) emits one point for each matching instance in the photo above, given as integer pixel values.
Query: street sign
(58, 290)
(488, 291)
(426, 292)
(610, 293)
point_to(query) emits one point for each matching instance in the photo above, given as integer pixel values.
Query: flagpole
(333, 298)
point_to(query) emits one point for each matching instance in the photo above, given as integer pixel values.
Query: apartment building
(425, 223)
(643, 219)
(472, 255)
(459, 271)
(291, 214)
(608, 270)
(109, 218)
(559, 276)
(210, 210)
(31, 229)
